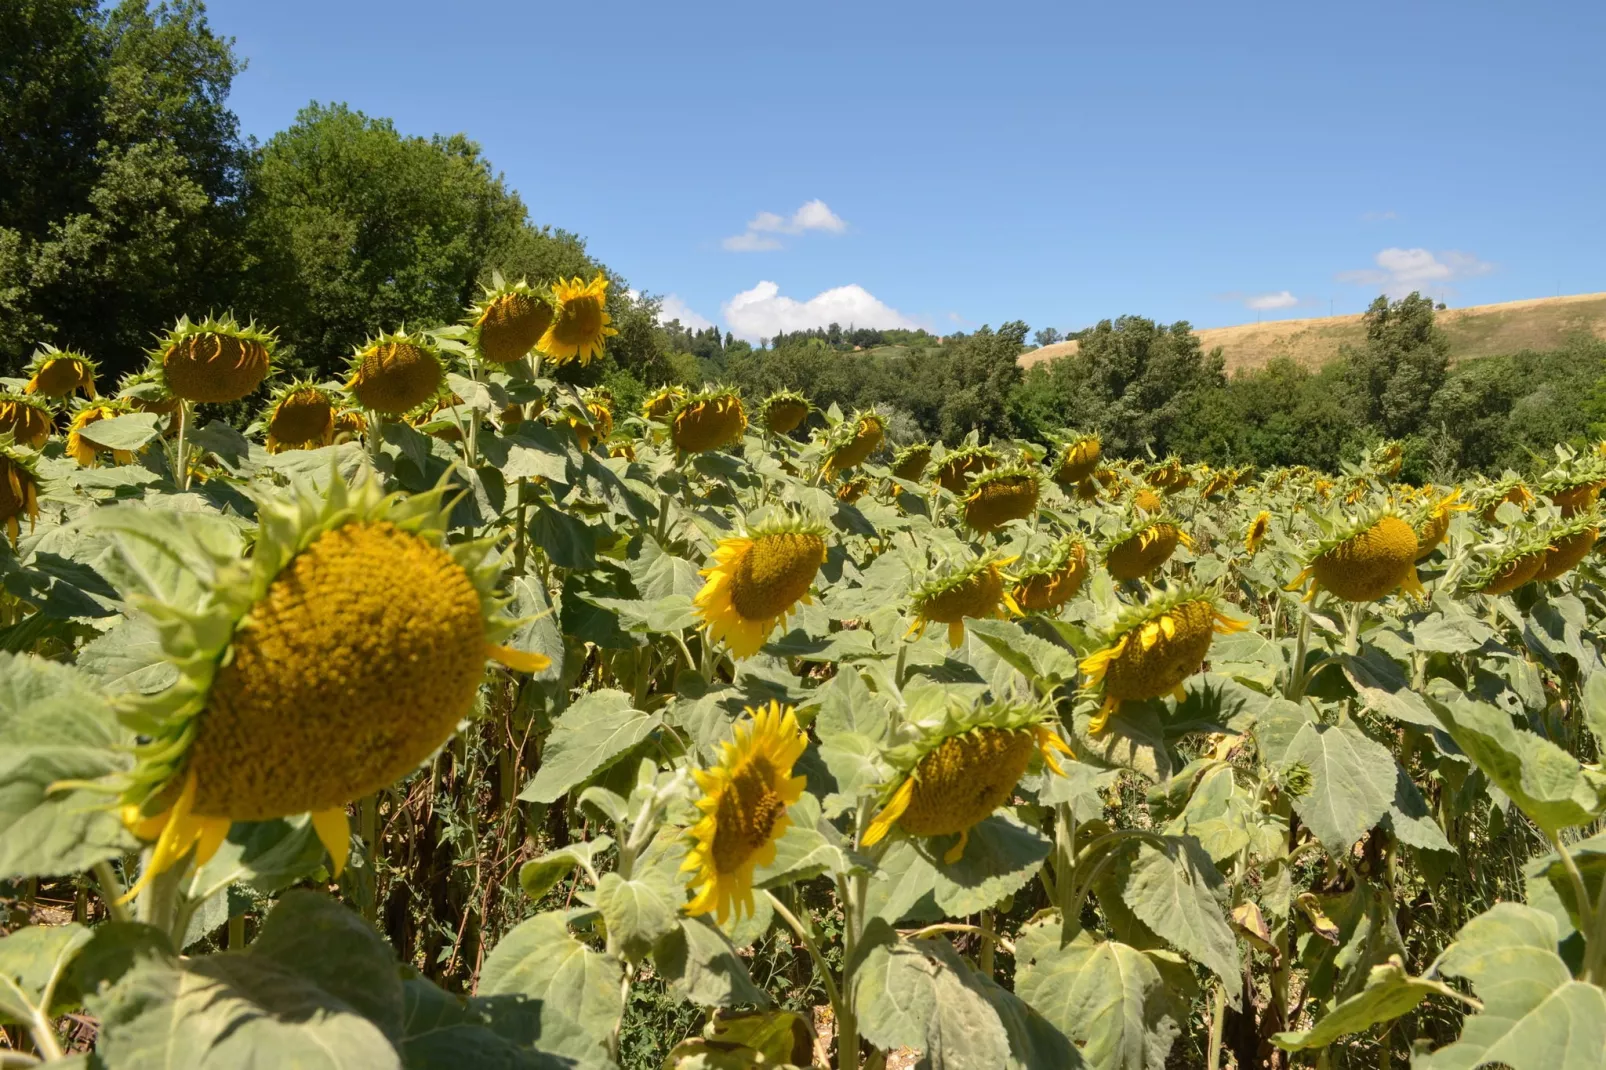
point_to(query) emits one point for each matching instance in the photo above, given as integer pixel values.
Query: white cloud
(814, 215)
(1265, 302)
(1399, 271)
(673, 308)
(763, 312)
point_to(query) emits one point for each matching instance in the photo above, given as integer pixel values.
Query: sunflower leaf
(1001, 856)
(33, 959)
(701, 964)
(444, 1031)
(1176, 891)
(1352, 782)
(588, 738)
(803, 851)
(638, 911)
(1388, 994)
(577, 988)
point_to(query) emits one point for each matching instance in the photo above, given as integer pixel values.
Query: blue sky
(947, 165)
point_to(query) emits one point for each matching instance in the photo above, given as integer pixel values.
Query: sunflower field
(448, 716)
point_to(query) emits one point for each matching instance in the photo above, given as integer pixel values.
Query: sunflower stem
(1218, 1015)
(1352, 629)
(181, 460)
(111, 891)
(805, 933)
(1296, 683)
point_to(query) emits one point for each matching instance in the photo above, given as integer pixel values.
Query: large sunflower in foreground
(395, 373)
(1001, 495)
(1153, 648)
(956, 775)
(509, 320)
(756, 581)
(327, 665)
(581, 325)
(745, 796)
(1364, 560)
(58, 373)
(213, 360)
(975, 590)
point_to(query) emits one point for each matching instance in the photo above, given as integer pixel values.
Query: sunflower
(393, 374)
(757, 579)
(580, 327)
(57, 373)
(26, 419)
(350, 425)
(1088, 490)
(597, 423)
(509, 320)
(1433, 524)
(1569, 543)
(1148, 500)
(81, 444)
(1507, 490)
(1153, 649)
(854, 440)
(1513, 567)
(1574, 496)
(745, 796)
(1257, 533)
(19, 488)
(329, 663)
(1001, 495)
(910, 462)
(708, 421)
(214, 360)
(783, 411)
(955, 469)
(1078, 460)
(1218, 483)
(974, 590)
(1141, 549)
(1046, 587)
(301, 416)
(662, 402)
(851, 490)
(957, 774)
(146, 391)
(1365, 561)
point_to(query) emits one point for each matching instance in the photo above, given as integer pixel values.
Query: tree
(982, 372)
(1047, 336)
(1403, 363)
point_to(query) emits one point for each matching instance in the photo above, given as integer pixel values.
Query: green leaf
(1535, 1016)
(1352, 782)
(1413, 823)
(1045, 664)
(910, 994)
(127, 432)
(1382, 685)
(54, 727)
(540, 875)
(1001, 857)
(804, 850)
(540, 633)
(1133, 739)
(1177, 892)
(35, 959)
(639, 911)
(1595, 708)
(578, 988)
(848, 707)
(1106, 996)
(702, 966)
(442, 1031)
(128, 659)
(903, 885)
(855, 761)
(1450, 635)
(659, 574)
(589, 736)
(267, 855)
(1389, 993)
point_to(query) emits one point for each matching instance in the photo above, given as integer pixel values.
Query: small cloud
(1400, 271)
(1378, 217)
(673, 308)
(814, 215)
(1266, 302)
(763, 312)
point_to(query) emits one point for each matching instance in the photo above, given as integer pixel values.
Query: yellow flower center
(579, 322)
(1157, 655)
(511, 325)
(748, 809)
(1370, 564)
(774, 573)
(214, 367)
(965, 779)
(355, 665)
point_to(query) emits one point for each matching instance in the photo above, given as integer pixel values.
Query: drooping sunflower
(783, 411)
(19, 488)
(662, 402)
(1217, 483)
(1088, 490)
(851, 490)
(1433, 523)
(1001, 495)
(1364, 560)
(973, 590)
(581, 325)
(910, 462)
(709, 420)
(1144, 546)
(1569, 543)
(58, 373)
(301, 416)
(393, 374)
(957, 466)
(854, 440)
(757, 579)
(597, 423)
(1257, 533)
(215, 360)
(1491, 498)
(81, 444)
(350, 425)
(957, 774)
(744, 801)
(145, 391)
(1153, 648)
(1148, 500)
(329, 663)
(26, 419)
(1078, 460)
(1048, 585)
(508, 320)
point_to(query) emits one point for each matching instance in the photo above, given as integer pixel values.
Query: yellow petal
(335, 832)
(957, 851)
(890, 813)
(518, 660)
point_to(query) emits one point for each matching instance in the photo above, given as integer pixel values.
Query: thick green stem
(1218, 1014)
(111, 891)
(1296, 674)
(804, 933)
(181, 473)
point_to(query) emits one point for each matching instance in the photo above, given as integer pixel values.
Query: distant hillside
(1478, 331)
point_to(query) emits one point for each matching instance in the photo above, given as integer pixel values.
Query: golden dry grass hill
(1477, 331)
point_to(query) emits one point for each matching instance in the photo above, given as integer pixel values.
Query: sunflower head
(1088, 489)
(998, 496)
(1568, 543)
(334, 659)
(596, 423)
(854, 440)
(1049, 584)
(395, 373)
(756, 581)
(958, 772)
(1143, 546)
(350, 426)
(1153, 648)
(19, 487)
(1364, 559)
(508, 320)
(910, 462)
(851, 490)
(1148, 500)
(1432, 522)
(1257, 532)
(213, 360)
(301, 416)
(783, 411)
(580, 325)
(708, 420)
(663, 402)
(1078, 459)
(744, 800)
(59, 373)
(81, 444)
(1489, 499)
(973, 590)
(1386, 458)
(26, 418)
(1514, 564)
(957, 466)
